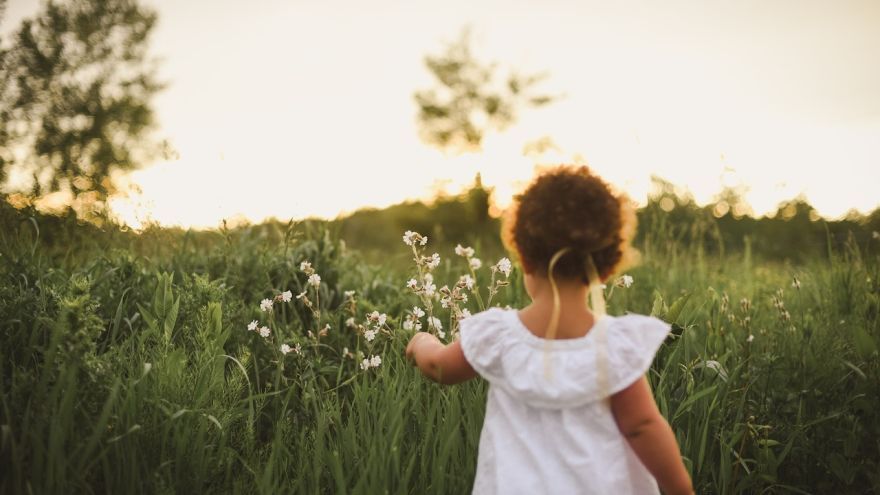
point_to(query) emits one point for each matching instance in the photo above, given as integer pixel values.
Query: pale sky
(296, 108)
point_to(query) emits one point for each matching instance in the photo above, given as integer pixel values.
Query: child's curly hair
(569, 207)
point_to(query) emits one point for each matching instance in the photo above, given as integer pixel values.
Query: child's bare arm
(444, 364)
(650, 437)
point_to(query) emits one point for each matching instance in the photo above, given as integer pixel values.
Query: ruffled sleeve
(482, 341)
(633, 341)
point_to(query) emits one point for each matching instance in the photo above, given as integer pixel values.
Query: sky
(304, 108)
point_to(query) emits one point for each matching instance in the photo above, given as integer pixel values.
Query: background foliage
(76, 84)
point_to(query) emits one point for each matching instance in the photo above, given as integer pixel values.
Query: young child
(569, 409)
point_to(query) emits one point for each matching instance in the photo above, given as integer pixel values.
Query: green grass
(125, 367)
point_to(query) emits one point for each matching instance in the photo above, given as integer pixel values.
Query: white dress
(549, 426)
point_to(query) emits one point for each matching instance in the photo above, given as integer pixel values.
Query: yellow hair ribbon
(553, 326)
(597, 297)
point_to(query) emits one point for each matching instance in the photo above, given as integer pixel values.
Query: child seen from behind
(569, 409)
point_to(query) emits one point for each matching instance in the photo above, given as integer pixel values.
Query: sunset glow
(293, 109)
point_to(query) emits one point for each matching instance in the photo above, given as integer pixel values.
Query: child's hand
(414, 342)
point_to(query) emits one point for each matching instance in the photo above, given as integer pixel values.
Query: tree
(75, 91)
(470, 99)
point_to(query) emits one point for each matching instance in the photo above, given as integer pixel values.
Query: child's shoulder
(490, 318)
(483, 339)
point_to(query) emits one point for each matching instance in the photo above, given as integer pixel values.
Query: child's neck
(575, 317)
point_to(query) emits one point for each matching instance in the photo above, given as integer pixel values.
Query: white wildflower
(504, 266)
(410, 238)
(625, 281)
(441, 334)
(408, 324)
(435, 323)
(314, 280)
(365, 364)
(305, 266)
(350, 322)
(378, 318)
(418, 312)
(750, 338)
(467, 252)
(370, 335)
(465, 313)
(264, 332)
(475, 263)
(253, 325)
(434, 262)
(286, 296)
(266, 305)
(429, 279)
(430, 289)
(375, 361)
(468, 281)
(285, 349)
(349, 294)
(412, 284)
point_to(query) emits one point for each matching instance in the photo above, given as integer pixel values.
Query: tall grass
(128, 369)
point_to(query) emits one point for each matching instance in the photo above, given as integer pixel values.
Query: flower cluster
(286, 349)
(503, 267)
(267, 305)
(411, 238)
(263, 331)
(436, 325)
(372, 362)
(426, 288)
(413, 319)
(375, 324)
(313, 282)
(779, 304)
(625, 281)
(453, 298)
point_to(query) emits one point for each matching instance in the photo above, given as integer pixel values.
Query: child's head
(569, 207)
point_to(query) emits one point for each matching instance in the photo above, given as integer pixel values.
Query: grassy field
(127, 366)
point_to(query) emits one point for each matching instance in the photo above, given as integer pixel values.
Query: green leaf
(682, 408)
(149, 318)
(677, 307)
(657, 309)
(171, 319)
